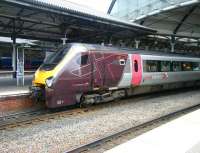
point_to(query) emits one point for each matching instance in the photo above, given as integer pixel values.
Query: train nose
(40, 77)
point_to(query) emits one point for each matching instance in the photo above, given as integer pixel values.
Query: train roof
(131, 50)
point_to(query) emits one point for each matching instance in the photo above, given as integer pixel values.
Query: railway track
(43, 114)
(15, 119)
(36, 116)
(101, 144)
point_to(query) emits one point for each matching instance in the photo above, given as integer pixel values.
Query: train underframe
(126, 92)
(101, 96)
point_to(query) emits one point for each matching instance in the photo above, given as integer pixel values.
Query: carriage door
(114, 67)
(82, 72)
(136, 69)
(97, 69)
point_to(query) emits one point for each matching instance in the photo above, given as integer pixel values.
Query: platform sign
(20, 66)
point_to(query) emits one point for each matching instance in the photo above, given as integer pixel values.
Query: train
(81, 73)
(6, 63)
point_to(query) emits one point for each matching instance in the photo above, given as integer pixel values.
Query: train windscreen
(52, 60)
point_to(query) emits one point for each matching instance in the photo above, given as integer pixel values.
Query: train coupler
(37, 93)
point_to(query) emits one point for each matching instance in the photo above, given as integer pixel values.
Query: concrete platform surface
(181, 135)
(12, 91)
(8, 86)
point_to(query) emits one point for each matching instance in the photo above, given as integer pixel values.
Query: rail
(98, 142)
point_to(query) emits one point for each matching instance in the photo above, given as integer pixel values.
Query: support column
(110, 40)
(14, 57)
(64, 40)
(172, 47)
(146, 48)
(20, 66)
(14, 52)
(137, 43)
(172, 44)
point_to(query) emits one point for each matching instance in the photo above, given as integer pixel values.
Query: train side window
(196, 66)
(186, 66)
(165, 66)
(83, 60)
(150, 66)
(176, 66)
(136, 65)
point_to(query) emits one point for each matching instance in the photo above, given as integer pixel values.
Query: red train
(31, 64)
(84, 73)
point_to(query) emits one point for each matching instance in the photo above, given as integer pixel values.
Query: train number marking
(60, 102)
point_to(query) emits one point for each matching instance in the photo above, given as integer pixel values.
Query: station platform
(8, 86)
(181, 135)
(14, 91)
(13, 98)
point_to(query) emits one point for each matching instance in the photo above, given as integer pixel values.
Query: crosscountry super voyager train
(85, 74)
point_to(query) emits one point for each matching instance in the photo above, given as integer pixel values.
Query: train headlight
(49, 82)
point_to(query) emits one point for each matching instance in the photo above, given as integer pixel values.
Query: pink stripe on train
(136, 69)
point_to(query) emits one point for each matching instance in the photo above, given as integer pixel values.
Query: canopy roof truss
(32, 19)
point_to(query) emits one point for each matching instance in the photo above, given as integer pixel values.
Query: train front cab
(80, 71)
(86, 73)
(46, 77)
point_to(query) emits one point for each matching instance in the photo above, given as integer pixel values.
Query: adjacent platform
(13, 91)
(8, 86)
(178, 136)
(14, 98)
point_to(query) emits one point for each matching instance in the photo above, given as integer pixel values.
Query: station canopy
(178, 18)
(44, 20)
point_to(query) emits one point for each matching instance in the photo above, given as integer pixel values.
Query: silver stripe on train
(127, 74)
